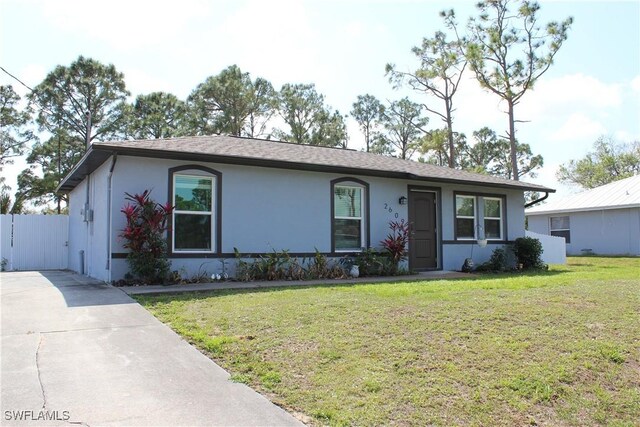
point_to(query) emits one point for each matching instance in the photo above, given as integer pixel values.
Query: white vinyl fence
(34, 242)
(554, 248)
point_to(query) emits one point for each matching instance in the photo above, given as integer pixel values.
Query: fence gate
(34, 242)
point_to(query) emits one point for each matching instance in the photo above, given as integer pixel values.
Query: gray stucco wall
(91, 236)
(266, 209)
(605, 232)
(77, 228)
(454, 254)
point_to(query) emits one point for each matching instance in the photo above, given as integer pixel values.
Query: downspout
(114, 159)
(536, 201)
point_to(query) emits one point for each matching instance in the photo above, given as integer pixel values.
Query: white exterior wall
(605, 232)
(90, 237)
(77, 228)
(553, 247)
(266, 209)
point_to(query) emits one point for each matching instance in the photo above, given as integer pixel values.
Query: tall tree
(442, 64)
(366, 111)
(508, 52)
(479, 156)
(434, 147)
(610, 161)
(332, 130)
(49, 163)
(232, 103)
(156, 115)
(13, 126)
(7, 204)
(75, 104)
(403, 125)
(527, 163)
(309, 120)
(68, 96)
(490, 154)
(14, 135)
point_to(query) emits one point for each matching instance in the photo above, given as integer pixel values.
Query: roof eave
(89, 162)
(484, 184)
(99, 153)
(589, 209)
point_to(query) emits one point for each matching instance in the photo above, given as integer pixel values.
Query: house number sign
(390, 210)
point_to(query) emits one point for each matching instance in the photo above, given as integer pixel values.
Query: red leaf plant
(144, 236)
(396, 242)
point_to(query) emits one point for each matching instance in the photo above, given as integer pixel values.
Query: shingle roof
(260, 152)
(616, 195)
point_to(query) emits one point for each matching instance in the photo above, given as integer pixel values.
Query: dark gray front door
(423, 241)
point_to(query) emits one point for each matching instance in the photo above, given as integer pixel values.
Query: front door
(423, 241)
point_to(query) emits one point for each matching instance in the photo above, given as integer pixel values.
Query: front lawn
(555, 348)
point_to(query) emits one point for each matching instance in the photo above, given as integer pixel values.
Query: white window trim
(474, 217)
(559, 229)
(209, 213)
(499, 200)
(361, 217)
(551, 230)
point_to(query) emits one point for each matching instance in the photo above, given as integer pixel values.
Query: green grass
(554, 348)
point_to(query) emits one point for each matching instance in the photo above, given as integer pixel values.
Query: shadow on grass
(598, 266)
(208, 293)
(602, 256)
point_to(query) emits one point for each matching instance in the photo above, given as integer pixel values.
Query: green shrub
(372, 263)
(321, 268)
(273, 266)
(528, 251)
(280, 265)
(502, 259)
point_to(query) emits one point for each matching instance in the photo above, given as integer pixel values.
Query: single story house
(604, 220)
(266, 195)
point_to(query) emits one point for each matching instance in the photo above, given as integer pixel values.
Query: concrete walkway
(77, 351)
(202, 287)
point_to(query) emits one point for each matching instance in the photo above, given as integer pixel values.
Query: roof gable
(266, 153)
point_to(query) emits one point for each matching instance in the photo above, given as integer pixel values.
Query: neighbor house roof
(266, 153)
(616, 195)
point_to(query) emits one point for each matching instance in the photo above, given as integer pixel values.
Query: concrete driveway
(77, 351)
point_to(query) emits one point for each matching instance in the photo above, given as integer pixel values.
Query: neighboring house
(259, 196)
(604, 220)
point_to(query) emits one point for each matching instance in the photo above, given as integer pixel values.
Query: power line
(36, 100)
(15, 78)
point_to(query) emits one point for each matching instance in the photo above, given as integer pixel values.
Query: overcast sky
(342, 46)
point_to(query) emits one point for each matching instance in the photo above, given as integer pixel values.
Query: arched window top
(195, 192)
(349, 215)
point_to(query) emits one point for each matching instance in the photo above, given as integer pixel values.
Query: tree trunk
(367, 138)
(452, 163)
(512, 143)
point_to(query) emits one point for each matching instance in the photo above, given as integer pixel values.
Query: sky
(342, 47)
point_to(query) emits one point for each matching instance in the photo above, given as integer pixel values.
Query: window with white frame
(348, 217)
(193, 216)
(465, 217)
(559, 226)
(492, 218)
